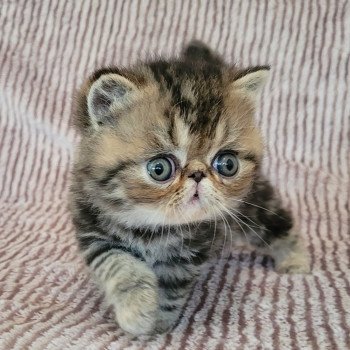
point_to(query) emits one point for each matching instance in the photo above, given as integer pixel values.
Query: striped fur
(47, 300)
(144, 240)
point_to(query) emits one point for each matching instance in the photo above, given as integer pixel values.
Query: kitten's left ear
(251, 81)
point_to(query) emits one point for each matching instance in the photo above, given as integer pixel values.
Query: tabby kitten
(167, 174)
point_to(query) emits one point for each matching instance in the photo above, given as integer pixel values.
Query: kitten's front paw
(294, 263)
(136, 311)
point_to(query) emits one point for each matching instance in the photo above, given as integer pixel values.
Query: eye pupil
(229, 164)
(158, 169)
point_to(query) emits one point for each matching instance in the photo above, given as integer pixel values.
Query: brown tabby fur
(145, 240)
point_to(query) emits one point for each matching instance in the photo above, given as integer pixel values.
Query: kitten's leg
(276, 234)
(289, 254)
(130, 285)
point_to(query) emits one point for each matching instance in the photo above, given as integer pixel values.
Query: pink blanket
(47, 298)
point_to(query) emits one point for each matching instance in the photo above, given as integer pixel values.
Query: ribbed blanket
(48, 300)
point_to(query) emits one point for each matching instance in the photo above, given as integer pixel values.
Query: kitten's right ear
(250, 81)
(107, 95)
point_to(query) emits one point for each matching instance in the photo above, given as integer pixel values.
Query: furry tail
(198, 51)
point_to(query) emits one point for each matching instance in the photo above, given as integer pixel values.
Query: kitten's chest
(185, 246)
(168, 252)
(174, 262)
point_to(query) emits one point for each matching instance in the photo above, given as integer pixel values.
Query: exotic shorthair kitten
(168, 174)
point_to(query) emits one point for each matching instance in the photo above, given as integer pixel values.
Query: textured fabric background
(47, 47)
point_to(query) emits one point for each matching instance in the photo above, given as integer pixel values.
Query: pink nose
(197, 176)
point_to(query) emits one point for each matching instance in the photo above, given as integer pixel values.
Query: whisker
(224, 220)
(246, 217)
(234, 217)
(237, 220)
(213, 239)
(258, 206)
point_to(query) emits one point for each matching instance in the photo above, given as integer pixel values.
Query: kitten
(167, 174)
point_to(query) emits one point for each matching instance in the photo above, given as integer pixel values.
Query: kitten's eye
(161, 169)
(226, 164)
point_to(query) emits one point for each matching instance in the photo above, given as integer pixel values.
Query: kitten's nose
(197, 176)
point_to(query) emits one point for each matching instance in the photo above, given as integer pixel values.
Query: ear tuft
(108, 94)
(251, 81)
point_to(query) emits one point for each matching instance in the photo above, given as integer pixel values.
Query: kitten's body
(146, 240)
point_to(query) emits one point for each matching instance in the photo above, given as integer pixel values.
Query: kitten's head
(169, 142)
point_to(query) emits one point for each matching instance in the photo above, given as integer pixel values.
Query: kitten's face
(165, 157)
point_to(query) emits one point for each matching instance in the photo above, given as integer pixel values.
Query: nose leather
(197, 176)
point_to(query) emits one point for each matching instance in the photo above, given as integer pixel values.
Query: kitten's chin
(154, 217)
(191, 212)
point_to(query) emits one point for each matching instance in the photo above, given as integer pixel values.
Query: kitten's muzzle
(197, 176)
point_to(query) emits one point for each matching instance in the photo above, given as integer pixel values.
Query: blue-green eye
(161, 169)
(226, 164)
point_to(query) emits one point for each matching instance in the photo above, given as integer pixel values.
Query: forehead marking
(182, 133)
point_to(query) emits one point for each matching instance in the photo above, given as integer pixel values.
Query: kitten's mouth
(195, 198)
